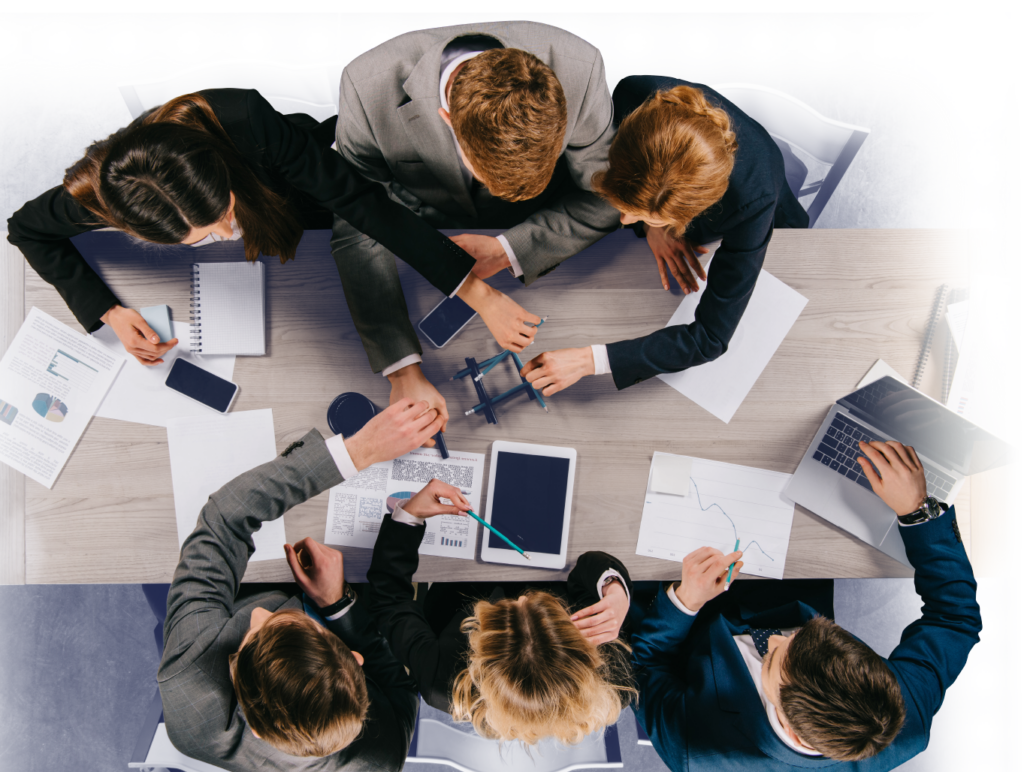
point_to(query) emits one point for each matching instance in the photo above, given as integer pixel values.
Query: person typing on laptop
(761, 678)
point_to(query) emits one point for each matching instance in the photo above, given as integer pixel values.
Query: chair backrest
(154, 751)
(308, 90)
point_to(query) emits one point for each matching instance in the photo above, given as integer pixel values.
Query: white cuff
(336, 446)
(456, 290)
(611, 572)
(412, 359)
(601, 364)
(343, 612)
(678, 603)
(516, 269)
(401, 516)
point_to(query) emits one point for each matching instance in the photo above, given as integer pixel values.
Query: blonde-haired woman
(519, 662)
(686, 168)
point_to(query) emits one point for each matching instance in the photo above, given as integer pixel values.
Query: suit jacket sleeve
(399, 617)
(42, 230)
(933, 650)
(582, 580)
(579, 217)
(333, 182)
(734, 271)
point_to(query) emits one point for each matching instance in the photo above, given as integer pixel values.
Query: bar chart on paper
(725, 502)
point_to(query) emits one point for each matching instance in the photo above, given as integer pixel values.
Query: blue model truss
(487, 402)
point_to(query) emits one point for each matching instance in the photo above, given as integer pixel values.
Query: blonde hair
(671, 158)
(532, 674)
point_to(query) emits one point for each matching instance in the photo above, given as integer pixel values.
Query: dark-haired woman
(223, 164)
(686, 168)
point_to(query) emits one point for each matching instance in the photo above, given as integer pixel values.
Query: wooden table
(110, 516)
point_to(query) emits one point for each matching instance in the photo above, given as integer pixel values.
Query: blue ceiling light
(253, 42)
(763, 43)
(635, 42)
(699, 42)
(316, 42)
(375, 37)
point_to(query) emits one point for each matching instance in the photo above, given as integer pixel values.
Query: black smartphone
(202, 386)
(445, 320)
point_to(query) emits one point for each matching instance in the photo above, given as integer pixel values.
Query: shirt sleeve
(601, 364)
(611, 573)
(412, 359)
(339, 452)
(401, 516)
(671, 590)
(517, 270)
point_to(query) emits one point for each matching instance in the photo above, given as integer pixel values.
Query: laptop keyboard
(838, 450)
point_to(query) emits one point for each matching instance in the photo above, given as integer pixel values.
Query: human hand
(490, 256)
(405, 425)
(704, 573)
(427, 502)
(318, 570)
(899, 481)
(553, 371)
(136, 336)
(673, 255)
(411, 383)
(504, 317)
(602, 621)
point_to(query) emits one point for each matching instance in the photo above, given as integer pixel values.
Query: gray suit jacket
(389, 129)
(206, 623)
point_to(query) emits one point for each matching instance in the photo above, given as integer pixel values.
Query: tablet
(529, 499)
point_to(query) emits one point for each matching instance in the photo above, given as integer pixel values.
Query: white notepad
(228, 309)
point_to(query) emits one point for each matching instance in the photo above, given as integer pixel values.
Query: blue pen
(497, 533)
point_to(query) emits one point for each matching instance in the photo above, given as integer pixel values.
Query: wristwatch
(337, 607)
(931, 509)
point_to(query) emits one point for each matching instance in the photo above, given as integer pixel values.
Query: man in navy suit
(731, 682)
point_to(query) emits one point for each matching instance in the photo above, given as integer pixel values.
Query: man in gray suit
(312, 677)
(498, 125)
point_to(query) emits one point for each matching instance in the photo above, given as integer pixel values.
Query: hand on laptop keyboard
(900, 480)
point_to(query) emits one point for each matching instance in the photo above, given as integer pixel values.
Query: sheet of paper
(721, 386)
(987, 384)
(139, 394)
(956, 318)
(357, 507)
(209, 451)
(880, 369)
(52, 379)
(726, 502)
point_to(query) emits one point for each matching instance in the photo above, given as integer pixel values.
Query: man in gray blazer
(230, 675)
(447, 119)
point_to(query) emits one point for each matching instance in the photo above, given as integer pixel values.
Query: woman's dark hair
(172, 170)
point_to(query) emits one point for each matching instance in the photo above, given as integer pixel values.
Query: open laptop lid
(932, 428)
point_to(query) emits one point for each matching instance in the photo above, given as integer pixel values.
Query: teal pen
(729, 577)
(497, 533)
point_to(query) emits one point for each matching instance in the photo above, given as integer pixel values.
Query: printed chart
(725, 502)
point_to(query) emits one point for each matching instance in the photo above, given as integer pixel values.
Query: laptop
(831, 484)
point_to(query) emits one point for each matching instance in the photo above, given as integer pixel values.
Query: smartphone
(446, 320)
(159, 320)
(202, 386)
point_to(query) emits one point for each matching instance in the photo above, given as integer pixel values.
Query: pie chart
(49, 407)
(395, 499)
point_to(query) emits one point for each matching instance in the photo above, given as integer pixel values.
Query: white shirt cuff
(412, 359)
(678, 603)
(401, 516)
(611, 572)
(516, 269)
(601, 364)
(343, 612)
(336, 446)
(456, 290)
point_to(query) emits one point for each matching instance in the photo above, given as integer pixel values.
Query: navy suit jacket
(701, 709)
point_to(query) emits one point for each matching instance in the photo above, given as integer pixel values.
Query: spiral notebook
(228, 309)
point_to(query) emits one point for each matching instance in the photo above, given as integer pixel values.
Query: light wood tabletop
(110, 516)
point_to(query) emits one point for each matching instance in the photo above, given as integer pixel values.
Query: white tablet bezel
(510, 556)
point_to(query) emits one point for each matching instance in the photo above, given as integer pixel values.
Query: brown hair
(838, 695)
(173, 169)
(532, 674)
(670, 158)
(508, 114)
(299, 686)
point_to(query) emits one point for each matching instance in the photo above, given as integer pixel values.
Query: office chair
(796, 126)
(311, 90)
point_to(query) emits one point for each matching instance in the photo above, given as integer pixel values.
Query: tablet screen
(529, 502)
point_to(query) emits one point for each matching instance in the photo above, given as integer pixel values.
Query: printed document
(357, 507)
(725, 502)
(52, 379)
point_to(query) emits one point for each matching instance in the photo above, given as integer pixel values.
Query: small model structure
(487, 402)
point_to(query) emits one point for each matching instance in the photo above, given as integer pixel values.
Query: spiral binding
(926, 346)
(195, 313)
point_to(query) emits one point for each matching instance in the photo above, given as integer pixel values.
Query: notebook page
(229, 308)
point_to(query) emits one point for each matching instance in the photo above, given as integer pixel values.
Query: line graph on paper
(725, 502)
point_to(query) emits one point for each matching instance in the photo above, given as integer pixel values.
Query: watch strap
(340, 605)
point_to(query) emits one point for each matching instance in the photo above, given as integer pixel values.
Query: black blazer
(285, 155)
(758, 199)
(429, 641)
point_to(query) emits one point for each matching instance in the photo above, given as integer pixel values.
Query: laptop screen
(934, 430)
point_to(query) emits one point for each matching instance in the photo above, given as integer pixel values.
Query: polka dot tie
(761, 636)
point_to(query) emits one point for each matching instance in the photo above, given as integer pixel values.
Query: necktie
(761, 636)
